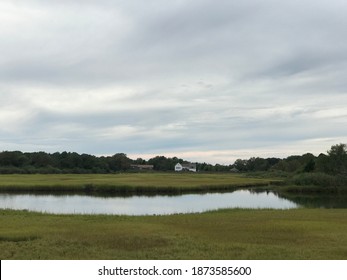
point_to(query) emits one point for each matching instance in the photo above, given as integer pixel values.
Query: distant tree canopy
(333, 163)
(70, 162)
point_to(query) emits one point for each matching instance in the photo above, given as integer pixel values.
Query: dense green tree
(14, 158)
(119, 162)
(310, 166)
(337, 163)
(241, 165)
(257, 164)
(322, 163)
(140, 161)
(40, 159)
(162, 163)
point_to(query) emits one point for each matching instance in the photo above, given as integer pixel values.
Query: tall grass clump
(318, 179)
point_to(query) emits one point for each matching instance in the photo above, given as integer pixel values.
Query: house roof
(187, 164)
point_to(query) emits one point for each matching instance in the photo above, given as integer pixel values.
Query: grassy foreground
(126, 182)
(224, 234)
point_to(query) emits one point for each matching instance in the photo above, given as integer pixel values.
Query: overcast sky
(203, 80)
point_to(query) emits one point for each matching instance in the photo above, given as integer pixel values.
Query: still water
(144, 205)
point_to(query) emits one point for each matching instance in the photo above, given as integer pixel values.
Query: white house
(234, 170)
(178, 167)
(185, 167)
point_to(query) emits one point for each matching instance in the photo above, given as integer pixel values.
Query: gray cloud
(209, 81)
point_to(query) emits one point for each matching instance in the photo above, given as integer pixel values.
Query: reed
(126, 182)
(224, 234)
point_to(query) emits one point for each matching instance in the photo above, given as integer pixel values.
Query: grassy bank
(225, 234)
(127, 182)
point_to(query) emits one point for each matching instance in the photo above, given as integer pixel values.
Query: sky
(207, 81)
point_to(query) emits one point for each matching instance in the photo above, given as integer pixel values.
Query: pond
(143, 205)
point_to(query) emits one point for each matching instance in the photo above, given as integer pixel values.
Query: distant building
(142, 166)
(234, 170)
(185, 167)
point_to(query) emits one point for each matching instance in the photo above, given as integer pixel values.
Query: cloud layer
(205, 80)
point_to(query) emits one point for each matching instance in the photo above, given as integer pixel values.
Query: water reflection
(144, 205)
(318, 200)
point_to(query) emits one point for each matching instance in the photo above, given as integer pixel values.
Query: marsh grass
(223, 234)
(126, 182)
(17, 238)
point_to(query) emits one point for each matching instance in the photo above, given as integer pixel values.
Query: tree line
(334, 162)
(72, 162)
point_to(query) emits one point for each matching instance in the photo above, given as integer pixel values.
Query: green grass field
(224, 234)
(151, 182)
